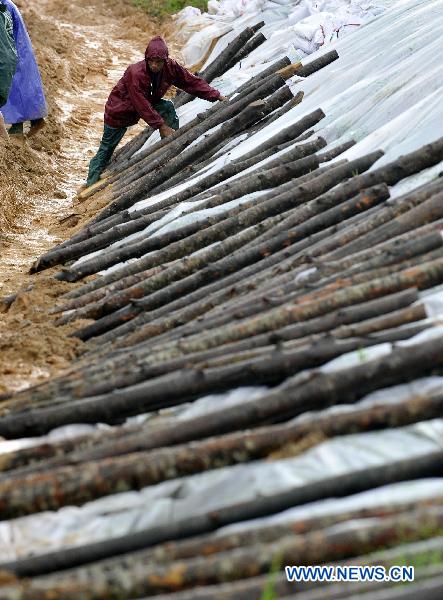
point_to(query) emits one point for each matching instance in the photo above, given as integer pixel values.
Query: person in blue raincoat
(8, 61)
(26, 101)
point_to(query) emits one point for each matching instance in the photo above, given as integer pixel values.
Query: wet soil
(82, 49)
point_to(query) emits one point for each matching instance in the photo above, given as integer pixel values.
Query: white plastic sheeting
(213, 403)
(182, 412)
(361, 356)
(175, 218)
(379, 98)
(66, 432)
(180, 499)
(373, 96)
(291, 26)
(396, 493)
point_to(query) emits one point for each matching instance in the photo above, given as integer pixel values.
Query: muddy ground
(82, 49)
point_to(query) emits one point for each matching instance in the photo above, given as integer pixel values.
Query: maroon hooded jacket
(133, 96)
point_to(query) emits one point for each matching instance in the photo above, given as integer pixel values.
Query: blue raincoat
(26, 99)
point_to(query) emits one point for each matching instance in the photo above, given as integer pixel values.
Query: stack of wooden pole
(275, 326)
(214, 69)
(297, 257)
(230, 558)
(132, 165)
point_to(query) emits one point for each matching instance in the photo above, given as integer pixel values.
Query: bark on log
(231, 169)
(246, 310)
(397, 207)
(196, 190)
(153, 158)
(336, 151)
(207, 545)
(361, 228)
(249, 47)
(184, 267)
(217, 66)
(252, 588)
(204, 299)
(331, 387)
(262, 75)
(317, 64)
(135, 268)
(426, 212)
(128, 464)
(229, 264)
(223, 62)
(160, 152)
(99, 288)
(225, 192)
(286, 72)
(102, 292)
(337, 321)
(97, 242)
(278, 113)
(200, 164)
(152, 365)
(131, 147)
(238, 166)
(146, 181)
(275, 100)
(336, 544)
(359, 312)
(310, 306)
(353, 314)
(413, 249)
(390, 174)
(287, 134)
(307, 226)
(223, 224)
(280, 258)
(273, 206)
(215, 115)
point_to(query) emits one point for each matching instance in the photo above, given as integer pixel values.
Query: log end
(289, 71)
(66, 275)
(92, 189)
(36, 266)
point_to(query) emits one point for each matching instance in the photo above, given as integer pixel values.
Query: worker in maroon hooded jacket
(139, 93)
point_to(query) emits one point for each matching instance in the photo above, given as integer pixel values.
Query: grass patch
(269, 592)
(160, 8)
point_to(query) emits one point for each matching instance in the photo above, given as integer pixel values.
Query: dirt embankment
(82, 49)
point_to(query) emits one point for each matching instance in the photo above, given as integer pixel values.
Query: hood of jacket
(157, 48)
